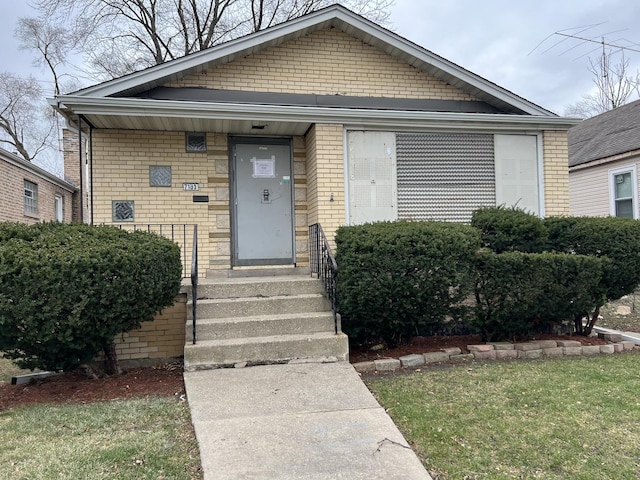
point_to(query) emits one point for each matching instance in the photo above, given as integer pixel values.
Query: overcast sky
(492, 38)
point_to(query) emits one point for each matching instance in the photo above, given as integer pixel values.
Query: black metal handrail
(323, 264)
(194, 280)
(176, 232)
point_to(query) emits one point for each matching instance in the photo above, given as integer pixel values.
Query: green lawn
(132, 439)
(552, 419)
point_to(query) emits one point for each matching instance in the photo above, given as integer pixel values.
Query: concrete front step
(264, 350)
(274, 271)
(262, 325)
(246, 307)
(257, 287)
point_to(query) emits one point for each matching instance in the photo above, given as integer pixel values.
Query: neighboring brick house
(328, 118)
(30, 194)
(604, 159)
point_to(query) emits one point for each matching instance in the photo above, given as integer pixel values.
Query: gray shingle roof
(611, 133)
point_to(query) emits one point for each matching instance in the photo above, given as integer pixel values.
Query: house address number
(191, 186)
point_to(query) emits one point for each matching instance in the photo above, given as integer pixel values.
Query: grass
(125, 439)
(553, 419)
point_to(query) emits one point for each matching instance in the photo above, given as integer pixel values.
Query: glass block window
(160, 175)
(123, 210)
(196, 142)
(30, 198)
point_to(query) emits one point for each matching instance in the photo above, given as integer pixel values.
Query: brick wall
(161, 338)
(325, 148)
(12, 179)
(121, 172)
(327, 62)
(556, 173)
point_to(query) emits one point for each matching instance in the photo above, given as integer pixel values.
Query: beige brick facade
(160, 339)
(12, 178)
(327, 62)
(325, 146)
(556, 173)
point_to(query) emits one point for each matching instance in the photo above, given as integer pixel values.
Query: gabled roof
(611, 133)
(124, 103)
(335, 16)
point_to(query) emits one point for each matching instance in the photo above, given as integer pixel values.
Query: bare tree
(52, 43)
(614, 86)
(122, 36)
(25, 119)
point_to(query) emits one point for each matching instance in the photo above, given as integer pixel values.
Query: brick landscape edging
(495, 351)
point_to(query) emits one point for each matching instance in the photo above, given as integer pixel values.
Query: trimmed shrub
(400, 279)
(510, 229)
(616, 239)
(68, 290)
(521, 294)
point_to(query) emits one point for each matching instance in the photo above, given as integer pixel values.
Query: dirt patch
(421, 345)
(164, 380)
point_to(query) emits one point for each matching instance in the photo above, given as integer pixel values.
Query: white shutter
(372, 176)
(517, 182)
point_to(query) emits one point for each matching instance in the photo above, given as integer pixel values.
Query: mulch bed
(165, 380)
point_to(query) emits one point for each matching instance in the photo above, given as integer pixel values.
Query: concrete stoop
(261, 321)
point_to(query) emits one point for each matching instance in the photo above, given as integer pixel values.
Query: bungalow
(327, 118)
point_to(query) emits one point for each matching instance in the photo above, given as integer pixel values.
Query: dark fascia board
(20, 162)
(338, 101)
(336, 16)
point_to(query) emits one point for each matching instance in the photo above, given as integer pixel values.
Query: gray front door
(263, 208)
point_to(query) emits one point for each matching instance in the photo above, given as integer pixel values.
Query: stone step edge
(232, 300)
(263, 339)
(454, 355)
(266, 318)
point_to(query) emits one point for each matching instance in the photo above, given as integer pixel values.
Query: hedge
(507, 229)
(68, 290)
(616, 239)
(400, 279)
(520, 294)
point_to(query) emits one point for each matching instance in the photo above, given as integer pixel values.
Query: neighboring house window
(624, 192)
(59, 208)
(196, 142)
(160, 176)
(123, 210)
(30, 198)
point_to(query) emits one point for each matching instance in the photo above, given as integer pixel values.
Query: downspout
(91, 169)
(80, 168)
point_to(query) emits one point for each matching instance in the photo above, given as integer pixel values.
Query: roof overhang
(148, 114)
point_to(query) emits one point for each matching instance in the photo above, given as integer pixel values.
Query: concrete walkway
(298, 421)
